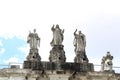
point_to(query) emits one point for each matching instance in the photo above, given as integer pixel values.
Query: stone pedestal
(33, 55)
(69, 66)
(57, 56)
(33, 60)
(80, 57)
(34, 65)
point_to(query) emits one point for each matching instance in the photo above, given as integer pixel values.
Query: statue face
(34, 30)
(79, 32)
(57, 26)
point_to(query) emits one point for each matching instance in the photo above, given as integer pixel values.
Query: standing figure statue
(34, 40)
(79, 42)
(57, 36)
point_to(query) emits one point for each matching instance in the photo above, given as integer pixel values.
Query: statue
(79, 42)
(107, 63)
(57, 36)
(57, 54)
(33, 58)
(33, 39)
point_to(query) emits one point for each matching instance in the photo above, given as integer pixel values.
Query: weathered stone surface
(78, 67)
(34, 65)
(81, 57)
(33, 55)
(33, 59)
(80, 44)
(57, 35)
(28, 74)
(107, 63)
(57, 55)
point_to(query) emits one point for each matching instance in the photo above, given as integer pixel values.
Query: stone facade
(28, 74)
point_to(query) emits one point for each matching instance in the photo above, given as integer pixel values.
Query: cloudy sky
(99, 20)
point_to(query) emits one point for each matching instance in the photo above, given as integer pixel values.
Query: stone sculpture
(33, 59)
(80, 44)
(57, 36)
(33, 39)
(57, 54)
(106, 64)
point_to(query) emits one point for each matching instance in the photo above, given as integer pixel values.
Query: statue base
(81, 57)
(72, 67)
(33, 60)
(57, 56)
(34, 65)
(33, 55)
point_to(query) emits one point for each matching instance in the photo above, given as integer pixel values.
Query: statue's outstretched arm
(62, 31)
(75, 32)
(28, 38)
(52, 28)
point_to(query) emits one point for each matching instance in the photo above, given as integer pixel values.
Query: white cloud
(24, 49)
(12, 60)
(2, 50)
(1, 44)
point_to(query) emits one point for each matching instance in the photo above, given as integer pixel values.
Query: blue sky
(99, 20)
(10, 50)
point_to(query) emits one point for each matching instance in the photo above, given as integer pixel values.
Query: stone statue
(79, 42)
(57, 36)
(33, 39)
(33, 58)
(57, 54)
(107, 63)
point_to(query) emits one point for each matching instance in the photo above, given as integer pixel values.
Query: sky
(99, 20)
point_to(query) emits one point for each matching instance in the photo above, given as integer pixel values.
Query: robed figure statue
(33, 61)
(57, 36)
(79, 42)
(34, 40)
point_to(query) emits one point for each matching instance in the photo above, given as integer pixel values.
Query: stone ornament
(107, 64)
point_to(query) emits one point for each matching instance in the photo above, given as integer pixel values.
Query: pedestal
(33, 60)
(57, 56)
(80, 57)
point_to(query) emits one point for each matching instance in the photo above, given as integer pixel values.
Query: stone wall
(27, 74)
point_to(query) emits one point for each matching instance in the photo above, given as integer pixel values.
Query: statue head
(34, 30)
(80, 32)
(108, 54)
(57, 26)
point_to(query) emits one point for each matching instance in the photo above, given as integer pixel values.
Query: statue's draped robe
(33, 40)
(57, 37)
(79, 43)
